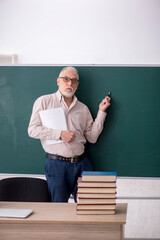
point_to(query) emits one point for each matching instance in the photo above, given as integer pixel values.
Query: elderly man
(66, 161)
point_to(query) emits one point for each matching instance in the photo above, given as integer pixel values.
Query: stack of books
(96, 193)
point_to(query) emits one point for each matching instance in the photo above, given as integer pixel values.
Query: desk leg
(122, 232)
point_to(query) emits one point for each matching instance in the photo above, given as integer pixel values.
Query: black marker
(109, 94)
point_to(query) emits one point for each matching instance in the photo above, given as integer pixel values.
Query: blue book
(98, 176)
(98, 173)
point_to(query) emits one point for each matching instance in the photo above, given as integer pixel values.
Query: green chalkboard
(130, 141)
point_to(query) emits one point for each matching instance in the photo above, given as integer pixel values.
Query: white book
(54, 118)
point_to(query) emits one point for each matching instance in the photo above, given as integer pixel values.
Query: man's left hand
(105, 104)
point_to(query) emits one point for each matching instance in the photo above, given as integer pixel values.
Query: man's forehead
(69, 72)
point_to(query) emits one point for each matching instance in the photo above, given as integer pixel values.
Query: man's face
(66, 86)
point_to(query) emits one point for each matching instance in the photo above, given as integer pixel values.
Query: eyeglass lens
(67, 79)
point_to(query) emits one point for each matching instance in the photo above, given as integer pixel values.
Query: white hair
(69, 68)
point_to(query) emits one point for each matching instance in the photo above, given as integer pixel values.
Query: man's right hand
(67, 136)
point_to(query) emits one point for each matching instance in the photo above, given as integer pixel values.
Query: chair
(24, 189)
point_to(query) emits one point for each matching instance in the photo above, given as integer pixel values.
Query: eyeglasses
(67, 79)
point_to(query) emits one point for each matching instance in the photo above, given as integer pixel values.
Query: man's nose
(70, 82)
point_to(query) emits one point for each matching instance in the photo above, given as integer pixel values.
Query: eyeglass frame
(67, 79)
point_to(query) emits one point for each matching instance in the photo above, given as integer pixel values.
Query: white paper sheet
(54, 118)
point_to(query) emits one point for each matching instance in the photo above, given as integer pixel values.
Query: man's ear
(58, 81)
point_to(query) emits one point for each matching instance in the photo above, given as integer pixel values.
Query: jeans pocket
(49, 168)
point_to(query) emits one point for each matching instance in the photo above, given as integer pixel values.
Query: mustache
(69, 88)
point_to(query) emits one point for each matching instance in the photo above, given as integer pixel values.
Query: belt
(66, 159)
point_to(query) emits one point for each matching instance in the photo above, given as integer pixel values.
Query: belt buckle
(73, 160)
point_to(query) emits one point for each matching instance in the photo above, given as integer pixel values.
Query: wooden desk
(59, 221)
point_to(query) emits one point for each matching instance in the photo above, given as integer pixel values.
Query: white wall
(81, 31)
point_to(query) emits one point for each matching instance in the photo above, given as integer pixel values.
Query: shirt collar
(59, 95)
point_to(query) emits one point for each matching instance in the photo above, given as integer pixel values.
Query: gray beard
(68, 95)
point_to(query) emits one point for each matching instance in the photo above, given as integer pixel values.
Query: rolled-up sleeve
(94, 128)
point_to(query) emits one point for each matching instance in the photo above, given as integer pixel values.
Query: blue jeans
(62, 177)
